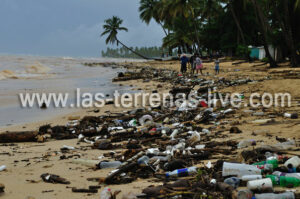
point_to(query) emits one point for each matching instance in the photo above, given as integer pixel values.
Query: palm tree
(111, 27)
(149, 10)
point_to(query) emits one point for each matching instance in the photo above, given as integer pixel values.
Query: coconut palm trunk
(264, 28)
(237, 22)
(140, 55)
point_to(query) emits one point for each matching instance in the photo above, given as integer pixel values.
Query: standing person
(192, 62)
(199, 65)
(217, 66)
(184, 60)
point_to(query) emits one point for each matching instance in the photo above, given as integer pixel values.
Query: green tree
(111, 27)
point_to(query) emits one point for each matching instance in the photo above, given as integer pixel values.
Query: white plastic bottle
(112, 164)
(251, 177)
(286, 195)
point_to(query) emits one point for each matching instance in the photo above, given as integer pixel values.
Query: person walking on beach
(184, 60)
(217, 66)
(192, 62)
(199, 65)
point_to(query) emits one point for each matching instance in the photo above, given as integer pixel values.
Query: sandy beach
(27, 161)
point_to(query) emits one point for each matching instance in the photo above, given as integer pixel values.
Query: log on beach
(26, 136)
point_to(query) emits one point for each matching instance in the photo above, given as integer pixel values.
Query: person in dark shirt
(184, 60)
(192, 62)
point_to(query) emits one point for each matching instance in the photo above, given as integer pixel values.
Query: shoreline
(27, 161)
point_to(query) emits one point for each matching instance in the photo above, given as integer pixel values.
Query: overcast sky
(69, 27)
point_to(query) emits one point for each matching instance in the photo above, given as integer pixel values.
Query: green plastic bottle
(284, 181)
(289, 182)
(272, 162)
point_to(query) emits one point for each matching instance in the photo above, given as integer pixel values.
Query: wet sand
(27, 161)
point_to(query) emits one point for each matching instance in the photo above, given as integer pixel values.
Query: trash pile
(182, 147)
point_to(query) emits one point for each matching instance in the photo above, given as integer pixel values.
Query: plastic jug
(239, 170)
(262, 184)
(295, 161)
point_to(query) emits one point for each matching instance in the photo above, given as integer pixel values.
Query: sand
(27, 161)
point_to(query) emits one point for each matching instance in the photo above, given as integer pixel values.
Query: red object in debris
(203, 104)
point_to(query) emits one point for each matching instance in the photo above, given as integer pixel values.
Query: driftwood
(2, 187)
(26, 136)
(111, 178)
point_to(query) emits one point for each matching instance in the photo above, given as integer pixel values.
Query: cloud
(69, 27)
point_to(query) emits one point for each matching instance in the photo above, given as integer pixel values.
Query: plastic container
(233, 181)
(262, 184)
(273, 162)
(182, 172)
(294, 175)
(284, 181)
(289, 182)
(291, 115)
(239, 170)
(132, 123)
(286, 195)
(251, 177)
(174, 134)
(145, 119)
(295, 161)
(143, 161)
(246, 143)
(106, 193)
(112, 164)
(88, 163)
(245, 194)
(2, 167)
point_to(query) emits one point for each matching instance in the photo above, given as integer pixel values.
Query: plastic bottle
(146, 118)
(251, 177)
(294, 161)
(112, 164)
(262, 184)
(182, 172)
(246, 143)
(88, 163)
(245, 194)
(233, 181)
(106, 193)
(273, 162)
(294, 175)
(161, 158)
(284, 181)
(291, 115)
(132, 123)
(286, 195)
(174, 134)
(285, 145)
(239, 170)
(144, 160)
(2, 167)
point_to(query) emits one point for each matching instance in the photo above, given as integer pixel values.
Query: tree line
(122, 52)
(226, 26)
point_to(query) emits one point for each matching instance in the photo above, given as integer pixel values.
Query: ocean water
(34, 74)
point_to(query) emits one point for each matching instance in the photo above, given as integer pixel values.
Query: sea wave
(31, 71)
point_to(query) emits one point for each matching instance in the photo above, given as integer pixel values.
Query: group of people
(196, 64)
